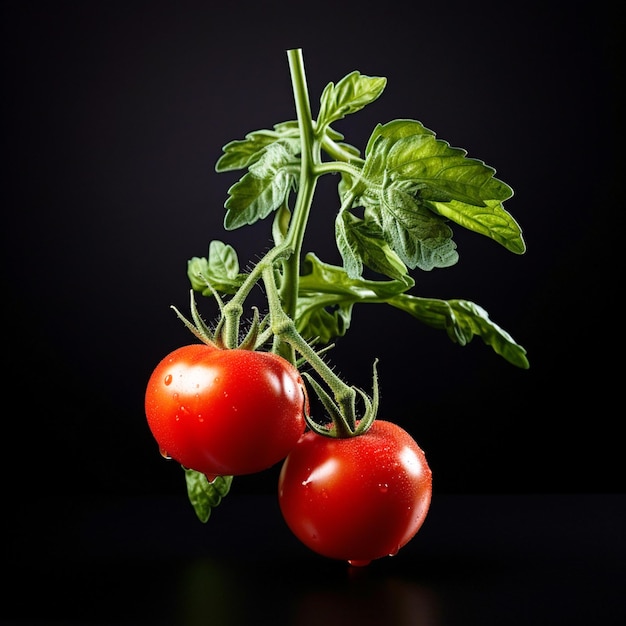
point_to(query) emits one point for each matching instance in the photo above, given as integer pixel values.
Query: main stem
(306, 189)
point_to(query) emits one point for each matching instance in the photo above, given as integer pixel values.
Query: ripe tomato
(356, 499)
(225, 412)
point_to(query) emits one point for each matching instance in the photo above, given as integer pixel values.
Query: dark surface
(478, 560)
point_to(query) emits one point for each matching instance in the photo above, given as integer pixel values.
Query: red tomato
(356, 499)
(225, 412)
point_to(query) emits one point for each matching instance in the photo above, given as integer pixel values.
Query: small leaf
(242, 153)
(349, 95)
(264, 188)
(221, 269)
(253, 198)
(205, 495)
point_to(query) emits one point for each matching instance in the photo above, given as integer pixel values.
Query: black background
(114, 114)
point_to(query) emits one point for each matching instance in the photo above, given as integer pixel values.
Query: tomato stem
(233, 309)
(342, 411)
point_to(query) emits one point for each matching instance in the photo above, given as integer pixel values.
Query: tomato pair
(225, 412)
(233, 412)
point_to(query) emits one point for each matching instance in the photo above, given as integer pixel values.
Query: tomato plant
(356, 498)
(225, 412)
(352, 487)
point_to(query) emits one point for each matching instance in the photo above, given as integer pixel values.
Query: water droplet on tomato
(164, 454)
(383, 487)
(168, 379)
(357, 563)
(394, 552)
(200, 418)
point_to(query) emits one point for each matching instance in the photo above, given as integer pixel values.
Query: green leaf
(265, 187)
(242, 153)
(361, 242)
(462, 320)
(327, 294)
(221, 269)
(431, 163)
(205, 495)
(406, 165)
(490, 220)
(420, 238)
(349, 95)
(323, 317)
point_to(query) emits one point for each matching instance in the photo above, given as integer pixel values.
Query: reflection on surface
(209, 595)
(366, 601)
(214, 592)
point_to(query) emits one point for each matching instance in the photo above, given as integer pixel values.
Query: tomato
(225, 412)
(359, 498)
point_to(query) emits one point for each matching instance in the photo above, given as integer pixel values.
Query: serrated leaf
(205, 495)
(384, 136)
(240, 154)
(403, 157)
(264, 188)
(419, 237)
(361, 242)
(462, 320)
(490, 220)
(349, 95)
(442, 170)
(221, 269)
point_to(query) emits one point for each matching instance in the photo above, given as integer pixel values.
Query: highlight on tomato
(225, 412)
(356, 498)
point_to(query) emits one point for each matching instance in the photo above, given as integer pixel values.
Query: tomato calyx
(257, 333)
(344, 422)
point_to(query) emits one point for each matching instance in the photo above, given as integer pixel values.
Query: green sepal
(205, 495)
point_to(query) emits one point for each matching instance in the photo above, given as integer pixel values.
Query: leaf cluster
(398, 202)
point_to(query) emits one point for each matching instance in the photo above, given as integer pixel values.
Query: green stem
(233, 309)
(306, 190)
(284, 327)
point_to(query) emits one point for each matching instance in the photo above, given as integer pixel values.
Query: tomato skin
(225, 412)
(356, 499)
